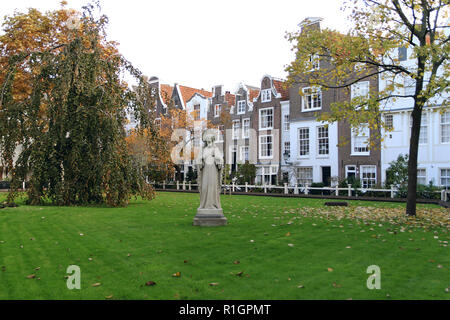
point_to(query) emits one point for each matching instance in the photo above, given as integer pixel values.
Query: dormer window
(314, 62)
(217, 110)
(241, 107)
(312, 99)
(266, 95)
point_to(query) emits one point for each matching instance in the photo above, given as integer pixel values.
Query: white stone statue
(209, 169)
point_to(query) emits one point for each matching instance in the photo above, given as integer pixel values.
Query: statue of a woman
(209, 169)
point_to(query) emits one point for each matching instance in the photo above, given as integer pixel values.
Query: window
(368, 176)
(314, 61)
(303, 138)
(422, 176)
(360, 89)
(286, 122)
(246, 129)
(241, 107)
(197, 112)
(389, 121)
(445, 177)
(266, 95)
(287, 148)
(267, 174)
(350, 173)
(244, 154)
(304, 176)
(217, 109)
(445, 127)
(322, 139)
(220, 131)
(312, 99)
(402, 51)
(409, 86)
(266, 119)
(265, 146)
(423, 137)
(360, 140)
(236, 126)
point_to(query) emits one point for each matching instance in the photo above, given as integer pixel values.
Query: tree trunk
(412, 164)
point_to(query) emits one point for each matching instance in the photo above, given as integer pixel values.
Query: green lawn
(281, 244)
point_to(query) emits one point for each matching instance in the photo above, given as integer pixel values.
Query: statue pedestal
(210, 218)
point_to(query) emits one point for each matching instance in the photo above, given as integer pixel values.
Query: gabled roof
(187, 93)
(253, 93)
(280, 86)
(166, 93)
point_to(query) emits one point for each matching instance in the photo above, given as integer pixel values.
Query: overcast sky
(202, 43)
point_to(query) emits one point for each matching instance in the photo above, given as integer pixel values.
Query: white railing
(286, 189)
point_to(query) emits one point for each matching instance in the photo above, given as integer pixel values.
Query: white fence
(286, 189)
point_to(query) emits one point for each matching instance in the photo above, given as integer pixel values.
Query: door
(326, 176)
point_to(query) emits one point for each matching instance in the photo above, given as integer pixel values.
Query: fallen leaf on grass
(214, 284)
(177, 275)
(290, 245)
(439, 266)
(150, 283)
(336, 285)
(109, 297)
(239, 274)
(38, 268)
(31, 276)
(97, 284)
(330, 269)
(236, 262)
(301, 286)
(288, 234)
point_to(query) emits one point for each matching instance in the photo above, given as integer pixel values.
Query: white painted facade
(434, 147)
(313, 159)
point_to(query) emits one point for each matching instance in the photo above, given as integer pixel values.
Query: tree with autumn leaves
(62, 109)
(368, 50)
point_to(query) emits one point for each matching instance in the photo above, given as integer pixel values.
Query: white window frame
(266, 95)
(443, 125)
(363, 180)
(300, 139)
(314, 60)
(362, 129)
(356, 89)
(314, 91)
(444, 177)
(235, 130)
(422, 176)
(245, 150)
(389, 121)
(241, 104)
(309, 178)
(245, 129)
(219, 134)
(261, 156)
(158, 122)
(217, 110)
(347, 170)
(288, 149)
(197, 115)
(286, 122)
(423, 137)
(323, 138)
(260, 119)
